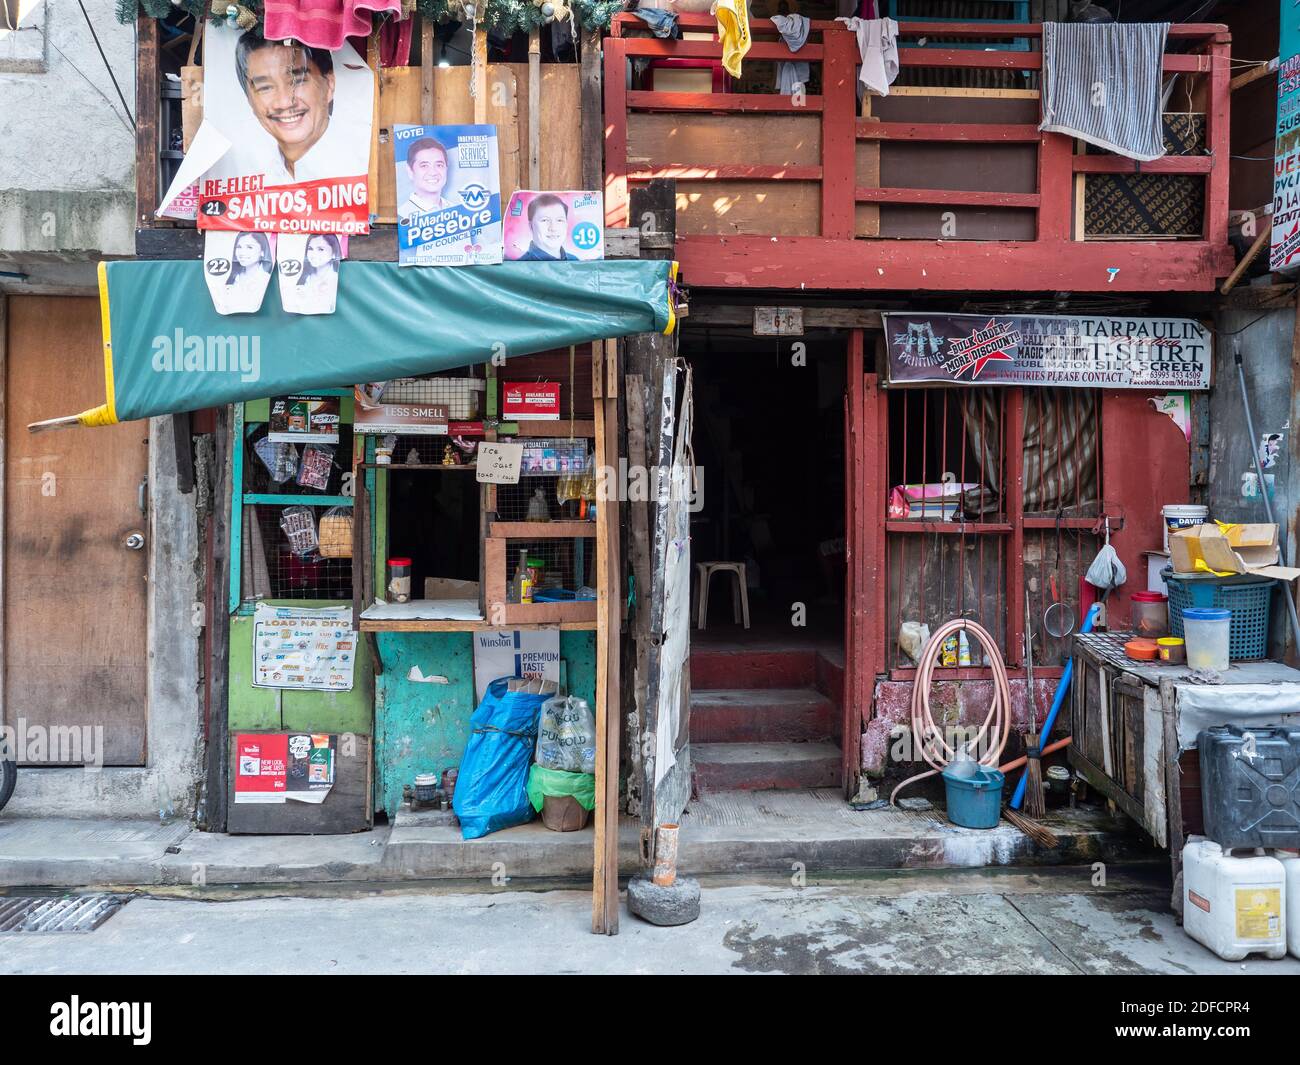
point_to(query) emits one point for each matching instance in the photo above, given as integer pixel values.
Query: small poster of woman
(238, 267)
(309, 272)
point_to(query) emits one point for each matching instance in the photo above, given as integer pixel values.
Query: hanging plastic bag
(566, 735)
(317, 462)
(335, 534)
(299, 527)
(491, 788)
(1106, 571)
(279, 458)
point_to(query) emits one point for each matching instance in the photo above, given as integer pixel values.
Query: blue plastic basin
(975, 802)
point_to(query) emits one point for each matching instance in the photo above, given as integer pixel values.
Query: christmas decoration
(504, 16)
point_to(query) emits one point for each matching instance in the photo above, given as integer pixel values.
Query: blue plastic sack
(492, 785)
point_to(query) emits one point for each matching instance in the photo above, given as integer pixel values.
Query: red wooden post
(854, 592)
(1216, 138)
(1014, 500)
(839, 133)
(1055, 187)
(616, 204)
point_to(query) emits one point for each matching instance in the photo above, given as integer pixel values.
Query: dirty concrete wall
(1265, 339)
(67, 174)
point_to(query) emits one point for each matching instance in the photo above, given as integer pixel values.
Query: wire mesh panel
(280, 560)
(296, 531)
(562, 570)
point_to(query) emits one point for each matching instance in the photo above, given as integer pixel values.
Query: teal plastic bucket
(975, 802)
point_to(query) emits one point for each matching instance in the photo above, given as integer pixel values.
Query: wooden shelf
(581, 428)
(542, 530)
(427, 625)
(413, 466)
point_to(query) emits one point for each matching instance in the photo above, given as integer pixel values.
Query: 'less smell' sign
(498, 463)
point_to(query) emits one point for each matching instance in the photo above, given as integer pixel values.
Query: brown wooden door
(74, 592)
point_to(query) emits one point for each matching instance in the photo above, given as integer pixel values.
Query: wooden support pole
(1261, 242)
(426, 70)
(604, 895)
(593, 133)
(1253, 75)
(479, 75)
(535, 108)
(146, 119)
(217, 761)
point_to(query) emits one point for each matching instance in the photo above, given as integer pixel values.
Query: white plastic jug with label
(1234, 903)
(1291, 865)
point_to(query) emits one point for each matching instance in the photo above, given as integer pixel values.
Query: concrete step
(761, 715)
(764, 766)
(723, 833)
(737, 668)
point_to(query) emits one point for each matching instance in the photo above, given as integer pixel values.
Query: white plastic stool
(739, 591)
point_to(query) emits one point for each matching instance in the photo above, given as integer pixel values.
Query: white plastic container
(1291, 867)
(1182, 516)
(1207, 631)
(1233, 903)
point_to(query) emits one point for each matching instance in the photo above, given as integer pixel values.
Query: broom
(1034, 805)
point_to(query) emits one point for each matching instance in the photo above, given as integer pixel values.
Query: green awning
(166, 350)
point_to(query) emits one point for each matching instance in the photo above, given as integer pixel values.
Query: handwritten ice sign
(498, 463)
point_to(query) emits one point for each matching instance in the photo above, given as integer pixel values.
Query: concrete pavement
(1047, 921)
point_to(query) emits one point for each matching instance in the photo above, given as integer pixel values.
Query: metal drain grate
(44, 914)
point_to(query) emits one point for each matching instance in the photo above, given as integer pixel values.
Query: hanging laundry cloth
(662, 23)
(323, 23)
(733, 31)
(1102, 83)
(791, 75)
(878, 50)
(857, 9)
(395, 42)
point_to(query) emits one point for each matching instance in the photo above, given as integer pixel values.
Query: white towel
(878, 49)
(791, 75)
(1102, 83)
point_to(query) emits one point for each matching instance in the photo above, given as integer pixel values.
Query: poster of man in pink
(555, 226)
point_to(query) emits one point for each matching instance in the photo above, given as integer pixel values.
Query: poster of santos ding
(448, 195)
(284, 146)
(1048, 351)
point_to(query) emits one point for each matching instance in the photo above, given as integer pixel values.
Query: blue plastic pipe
(1061, 689)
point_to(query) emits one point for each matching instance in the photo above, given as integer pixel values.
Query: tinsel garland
(506, 16)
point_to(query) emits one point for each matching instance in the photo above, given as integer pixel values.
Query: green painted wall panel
(255, 708)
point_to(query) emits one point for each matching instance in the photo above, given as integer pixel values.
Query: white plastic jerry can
(1233, 904)
(1291, 869)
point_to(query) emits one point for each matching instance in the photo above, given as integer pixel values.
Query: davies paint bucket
(1182, 516)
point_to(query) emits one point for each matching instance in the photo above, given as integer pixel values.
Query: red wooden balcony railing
(939, 188)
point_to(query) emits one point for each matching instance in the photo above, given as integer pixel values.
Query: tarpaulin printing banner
(167, 350)
(1048, 351)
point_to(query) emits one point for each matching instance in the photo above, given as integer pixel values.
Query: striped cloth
(1102, 83)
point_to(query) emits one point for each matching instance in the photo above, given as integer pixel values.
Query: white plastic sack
(1106, 571)
(566, 735)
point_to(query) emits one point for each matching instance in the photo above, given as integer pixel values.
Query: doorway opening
(769, 438)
